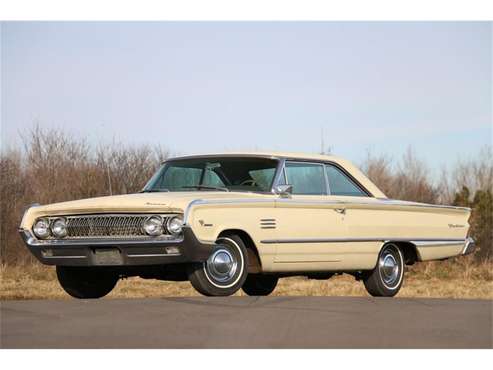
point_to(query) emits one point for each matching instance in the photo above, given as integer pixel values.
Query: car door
(306, 220)
(362, 222)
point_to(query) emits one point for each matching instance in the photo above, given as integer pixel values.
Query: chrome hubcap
(389, 268)
(221, 265)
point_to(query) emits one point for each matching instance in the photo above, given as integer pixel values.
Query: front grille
(108, 226)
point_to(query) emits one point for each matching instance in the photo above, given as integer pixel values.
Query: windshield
(218, 174)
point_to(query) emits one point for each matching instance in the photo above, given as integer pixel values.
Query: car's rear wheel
(257, 284)
(225, 270)
(385, 280)
(86, 282)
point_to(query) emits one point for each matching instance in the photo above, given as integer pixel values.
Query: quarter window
(306, 178)
(341, 184)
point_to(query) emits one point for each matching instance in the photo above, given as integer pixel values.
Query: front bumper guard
(116, 252)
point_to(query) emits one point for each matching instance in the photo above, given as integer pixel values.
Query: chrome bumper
(105, 252)
(469, 246)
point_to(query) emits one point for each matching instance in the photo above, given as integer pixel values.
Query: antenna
(322, 144)
(109, 177)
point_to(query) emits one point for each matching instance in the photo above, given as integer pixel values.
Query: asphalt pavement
(247, 322)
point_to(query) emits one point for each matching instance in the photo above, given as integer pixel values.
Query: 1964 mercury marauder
(232, 221)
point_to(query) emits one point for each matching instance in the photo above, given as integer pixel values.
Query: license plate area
(107, 256)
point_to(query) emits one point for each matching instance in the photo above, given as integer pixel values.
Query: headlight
(42, 228)
(153, 226)
(175, 225)
(59, 228)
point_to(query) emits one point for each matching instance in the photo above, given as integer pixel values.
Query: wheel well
(409, 251)
(254, 262)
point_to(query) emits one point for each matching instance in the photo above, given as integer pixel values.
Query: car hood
(141, 202)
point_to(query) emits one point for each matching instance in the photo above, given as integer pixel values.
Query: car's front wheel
(225, 270)
(86, 282)
(385, 280)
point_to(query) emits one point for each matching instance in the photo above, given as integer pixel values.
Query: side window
(306, 178)
(340, 184)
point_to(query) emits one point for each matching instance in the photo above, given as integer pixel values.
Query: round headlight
(153, 226)
(175, 225)
(42, 228)
(59, 228)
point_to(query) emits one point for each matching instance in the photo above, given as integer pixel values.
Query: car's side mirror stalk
(284, 191)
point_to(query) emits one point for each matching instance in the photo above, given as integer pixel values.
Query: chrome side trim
(186, 213)
(56, 257)
(381, 202)
(417, 204)
(470, 246)
(152, 255)
(437, 243)
(378, 203)
(27, 209)
(422, 242)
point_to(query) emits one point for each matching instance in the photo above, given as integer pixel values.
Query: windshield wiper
(205, 187)
(154, 190)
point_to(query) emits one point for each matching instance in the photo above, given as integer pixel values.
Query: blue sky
(214, 86)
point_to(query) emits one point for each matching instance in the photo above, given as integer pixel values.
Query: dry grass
(460, 278)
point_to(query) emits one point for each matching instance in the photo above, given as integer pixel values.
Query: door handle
(342, 211)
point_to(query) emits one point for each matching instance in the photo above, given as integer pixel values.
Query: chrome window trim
(327, 183)
(277, 175)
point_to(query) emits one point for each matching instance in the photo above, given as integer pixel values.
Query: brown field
(460, 278)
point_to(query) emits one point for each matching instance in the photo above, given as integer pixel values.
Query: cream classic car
(231, 221)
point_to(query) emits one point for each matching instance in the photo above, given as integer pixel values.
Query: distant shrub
(54, 167)
(470, 184)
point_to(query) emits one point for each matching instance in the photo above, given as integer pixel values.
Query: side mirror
(284, 191)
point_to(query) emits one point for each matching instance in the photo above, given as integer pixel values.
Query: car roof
(286, 155)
